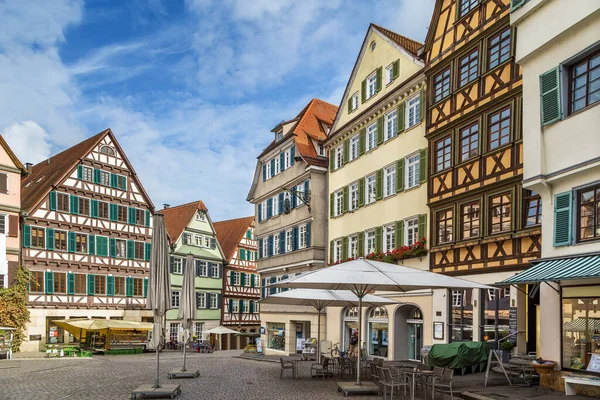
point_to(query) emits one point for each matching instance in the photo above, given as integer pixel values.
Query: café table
(294, 360)
(410, 368)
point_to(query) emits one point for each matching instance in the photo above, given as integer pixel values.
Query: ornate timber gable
(478, 206)
(241, 290)
(87, 229)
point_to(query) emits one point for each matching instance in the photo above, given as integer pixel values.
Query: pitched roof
(230, 233)
(11, 155)
(412, 46)
(309, 126)
(178, 217)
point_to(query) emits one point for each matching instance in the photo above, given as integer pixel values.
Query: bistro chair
(320, 369)
(442, 383)
(287, 365)
(349, 365)
(387, 380)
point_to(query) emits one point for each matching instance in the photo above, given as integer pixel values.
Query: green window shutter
(380, 130)
(331, 204)
(361, 192)
(92, 245)
(113, 212)
(422, 226)
(145, 287)
(349, 105)
(251, 280)
(80, 172)
(148, 251)
(243, 279)
(123, 183)
(562, 218)
(550, 96)
(74, 205)
(379, 78)
(130, 249)
(361, 244)
(378, 239)
(128, 286)
(94, 208)
(230, 306)
(514, 4)
(113, 180)
(399, 232)
(345, 199)
(131, 215)
(400, 175)
(113, 247)
(102, 246)
(110, 285)
(70, 283)
(379, 184)
(395, 69)
(362, 137)
(344, 248)
(90, 284)
(97, 176)
(363, 91)
(346, 151)
(251, 308)
(423, 165)
(50, 239)
(26, 236)
(71, 242)
(53, 200)
(242, 254)
(400, 114)
(147, 218)
(421, 104)
(331, 252)
(49, 282)
(331, 161)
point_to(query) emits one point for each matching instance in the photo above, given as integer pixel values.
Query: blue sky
(190, 88)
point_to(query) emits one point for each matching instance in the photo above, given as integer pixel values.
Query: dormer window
(200, 216)
(278, 136)
(107, 150)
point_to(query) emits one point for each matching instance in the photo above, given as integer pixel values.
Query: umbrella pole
(156, 384)
(360, 333)
(184, 353)
(318, 335)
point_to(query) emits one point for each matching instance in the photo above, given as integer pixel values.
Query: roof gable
(179, 217)
(11, 155)
(231, 232)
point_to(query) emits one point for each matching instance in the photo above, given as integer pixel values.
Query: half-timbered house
(481, 217)
(241, 285)
(191, 231)
(85, 238)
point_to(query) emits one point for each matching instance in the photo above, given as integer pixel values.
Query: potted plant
(506, 349)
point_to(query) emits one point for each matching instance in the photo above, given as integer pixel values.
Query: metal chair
(287, 365)
(443, 384)
(389, 381)
(349, 365)
(320, 369)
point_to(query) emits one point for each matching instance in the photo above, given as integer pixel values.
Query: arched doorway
(350, 326)
(408, 337)
(377, 338)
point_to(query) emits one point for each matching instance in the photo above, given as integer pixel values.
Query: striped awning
(558, 270)
(582, 325)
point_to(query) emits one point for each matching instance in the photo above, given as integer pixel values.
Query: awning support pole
(552, 287)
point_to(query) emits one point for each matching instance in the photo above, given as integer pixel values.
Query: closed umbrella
(321, 298)
(362, 276)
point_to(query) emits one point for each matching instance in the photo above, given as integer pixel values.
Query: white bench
(571, 381)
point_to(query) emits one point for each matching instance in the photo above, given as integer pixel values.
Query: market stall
(103, 335)
(6, 341)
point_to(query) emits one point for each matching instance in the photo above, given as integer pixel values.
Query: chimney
(28, 167)
(165, 206)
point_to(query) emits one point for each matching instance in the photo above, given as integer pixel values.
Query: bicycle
(335, 351)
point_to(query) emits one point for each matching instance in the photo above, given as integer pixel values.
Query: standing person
(353, 349)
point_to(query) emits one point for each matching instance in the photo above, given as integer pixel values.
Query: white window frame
(175, 298)
(236, 278)
(413, 111)
(268, 164)
(215, 270)
(104, 178)
(287, 155)
(174, 331)
(389, 238)
(203, 267)
(198, 328)
(411, 170)
(88, 170)
(263, 212)
(370, 189)
(371, 137)
(389, 73)
(411, 231)
(289, 241)
(300, 194)
(122, 254)
(369, 242)
(353, 246)
(337, 250)
(178, 265)
(275, 205)
(265, 249)
(4, 219)
(339, 156)
(354, 101)
(338, 202)
(391, 124)
(279, 136)
(276, 244)
(372, 85)
(201, 301)
(245, 306)
(207, 242)
(214, 300)
(302, 236)
(353, 196)
(389, 180)
(277, 165)
(198, 240)
(457, 298)
(354, 140)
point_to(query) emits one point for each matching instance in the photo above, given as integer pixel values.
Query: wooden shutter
(94, 208)
(128, 286)
(260, 248)
(49, 278)
(264, 172)
(272, 167)
(97, 178)
(331, 161)
(130, 249)
(113, 247)
(399, 232)
(79, 171)
(345, 199)
(231, 278)
(146, 288)
(243, 279)
(379, 184)
(421, 104)
(563, 218)
(331, 205)
(308, 226)
(123, 183)
(26, 236)
(400, 175)
(395, 69)
(292, 154)
(346, 151)
(362, 137)
(147, 218)
(114, 210)
(280, 203)
(331, 244)
(282, 242)
(295, 238)
(514, 4)
(550, 96)
(345, 248)
(361, 192)
(131, 215)
(91, 284)
(113, 180)
(349, 104)
(92, 245)
(282, 160)
(363, 91)
(74, 205)
(380, 130)
(269, 208)
(70, 283)
(423, 161)
(213, 243)
(361, 244)
(3, 183)
(379, 78)
(378, 239)
(50, 239)
(400, 116)
(242, 254)
(110, 285)
(147, 251)
(13, 226)
(422, 227)
(270, 242)
(52, 197)
(71, 242)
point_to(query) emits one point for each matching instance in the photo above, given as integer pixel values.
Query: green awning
(558, 270)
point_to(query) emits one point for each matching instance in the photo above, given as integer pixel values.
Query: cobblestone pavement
(114, 377)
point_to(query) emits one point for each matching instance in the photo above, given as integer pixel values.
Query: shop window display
(276, 336)
(378, 332)
(350, 325)
(581, 328)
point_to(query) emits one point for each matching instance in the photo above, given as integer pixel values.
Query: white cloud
(29, 141)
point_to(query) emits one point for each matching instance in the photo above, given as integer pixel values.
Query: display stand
(352, 388)
(178, 374)
(164, 391)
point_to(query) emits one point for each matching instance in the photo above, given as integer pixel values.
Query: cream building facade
(378, 192)
(559, 53)
(288, 190)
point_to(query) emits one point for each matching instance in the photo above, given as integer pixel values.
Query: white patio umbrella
(219, 330)
(187, 306)
(321, 298)
(362, 276)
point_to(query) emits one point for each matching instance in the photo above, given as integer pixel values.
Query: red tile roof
(231, 232)
(178, 217)
(412, 46)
